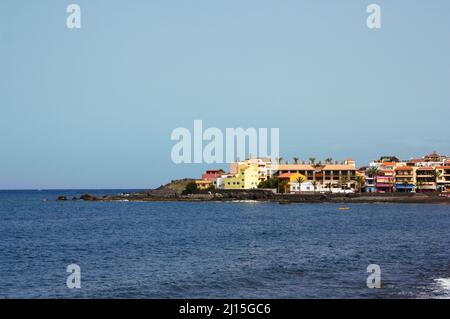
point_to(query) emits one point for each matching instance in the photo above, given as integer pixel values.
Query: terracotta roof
(286, 175)
(388, 163)
(444, 167)
(425, 168)
(306, 167)
(404, 168)
(293, 167)
(337, 167)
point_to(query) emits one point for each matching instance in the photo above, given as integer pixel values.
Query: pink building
(211, 175)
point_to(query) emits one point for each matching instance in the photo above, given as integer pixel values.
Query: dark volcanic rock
(88, 197)
(61, 197)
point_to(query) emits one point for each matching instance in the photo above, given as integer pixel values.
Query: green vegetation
(405, 185)
(373, 171)
(191, 188)
(269, 183)
(282, 186)
(359, 183)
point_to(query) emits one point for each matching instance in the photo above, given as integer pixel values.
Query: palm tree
(437, 174)
(296, 160)
(329, 185)
(392, 184)
(359, 182)
(312, 160)
(405, 185)
(279, 159)
(373, 171)
(343, 181)
(314, 184)
(300, 180)
(282, 185)
(328, 160)
(419, 184)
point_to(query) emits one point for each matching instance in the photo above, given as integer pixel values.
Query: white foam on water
(444, 287)
(245, 201)
(444, 283)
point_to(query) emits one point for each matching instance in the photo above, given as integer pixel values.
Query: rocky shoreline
(264, 196)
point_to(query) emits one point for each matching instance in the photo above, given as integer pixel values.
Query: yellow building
(203, 184)
(245, 176)
(290, 179)
(443, 178)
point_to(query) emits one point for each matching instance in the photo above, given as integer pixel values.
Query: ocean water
(220, 250)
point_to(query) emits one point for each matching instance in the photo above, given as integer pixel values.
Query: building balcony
(384, 185)
(385, 180)
(426, 187)
(401, 186)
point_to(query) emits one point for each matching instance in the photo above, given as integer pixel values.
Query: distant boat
(344, 208)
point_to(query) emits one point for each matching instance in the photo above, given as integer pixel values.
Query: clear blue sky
(94, 108)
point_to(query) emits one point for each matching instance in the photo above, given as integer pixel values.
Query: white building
(303, 187)
(264, 167)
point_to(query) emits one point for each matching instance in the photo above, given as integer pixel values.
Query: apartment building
(425, 177)
(404, 179)
(443, 178)
(242, 176)
(323, 175)
(385, 180)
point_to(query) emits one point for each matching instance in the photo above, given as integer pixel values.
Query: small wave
(245, 201)
(443, 288)
(444, 283)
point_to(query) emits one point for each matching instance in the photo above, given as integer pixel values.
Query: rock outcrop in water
(88, 197)
(173, 192)
(266, 196)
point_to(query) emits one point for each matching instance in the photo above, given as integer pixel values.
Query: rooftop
(307, 167)
(287, 175)
(404, 168)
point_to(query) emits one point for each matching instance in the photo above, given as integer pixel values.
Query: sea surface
(219, 250)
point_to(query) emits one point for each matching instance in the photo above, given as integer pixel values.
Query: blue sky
(95, 107)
